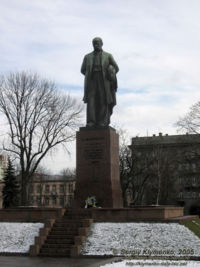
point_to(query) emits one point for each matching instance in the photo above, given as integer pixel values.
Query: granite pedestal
(98, 168)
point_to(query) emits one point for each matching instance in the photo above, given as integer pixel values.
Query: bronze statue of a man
(100, 85)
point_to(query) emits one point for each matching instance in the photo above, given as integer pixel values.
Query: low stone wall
(31, 214)
(138, 213)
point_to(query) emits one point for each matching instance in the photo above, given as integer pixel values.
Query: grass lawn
(193, 225)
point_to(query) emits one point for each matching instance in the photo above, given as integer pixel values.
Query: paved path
(21, 261)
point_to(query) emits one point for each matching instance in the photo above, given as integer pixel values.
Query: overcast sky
(156, 44)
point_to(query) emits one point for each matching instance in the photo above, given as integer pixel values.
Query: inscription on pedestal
(93, 149)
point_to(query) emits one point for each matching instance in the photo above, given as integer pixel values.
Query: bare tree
(162, 175)
(151, 175)
(133, 175)
(126, 175)
(39, 119)
(141, 173)
(68, 173)
(125, 163)
(190, 123)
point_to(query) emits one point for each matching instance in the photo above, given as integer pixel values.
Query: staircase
(67, 234)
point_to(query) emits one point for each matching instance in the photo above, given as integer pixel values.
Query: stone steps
(63, 231)
(71, 221)
(78, 212)
(60, 237)
(55, 252)
(77, 218)
(60, 241)
(67, 225)
(67, 234)
(56, 246)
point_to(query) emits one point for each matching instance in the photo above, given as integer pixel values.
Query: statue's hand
(111, 74)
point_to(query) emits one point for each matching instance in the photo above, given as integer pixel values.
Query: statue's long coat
(107, 60)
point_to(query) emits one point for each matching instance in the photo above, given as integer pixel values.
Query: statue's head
(97, 43)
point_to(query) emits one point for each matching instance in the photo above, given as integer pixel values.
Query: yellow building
(51, 191)
(1, 199)
(48, 191)
(3, 165)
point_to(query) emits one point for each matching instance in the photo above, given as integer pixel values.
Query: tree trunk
(24, 201)
(159, 188)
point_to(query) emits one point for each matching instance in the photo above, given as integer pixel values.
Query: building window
(61, 201)
(70, 200)
(187, 181)
(39, 189)
(31, 200)
(180, 195)
(70, 188)
(46, 201)
(61, 188)
(38, 199)
(193, 194)
(187, 166)
(54, 188)
(193, 166)
(194, 181)
(46, 188)
(188, 194)
(179, 166)
(31, 189)
(54, 200)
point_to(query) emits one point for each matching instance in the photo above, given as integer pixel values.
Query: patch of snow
(17, 237)
(154, 263)
(141, 239)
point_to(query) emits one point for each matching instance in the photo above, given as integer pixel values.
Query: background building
(51, 190)
(3, 165)
(167, 170)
